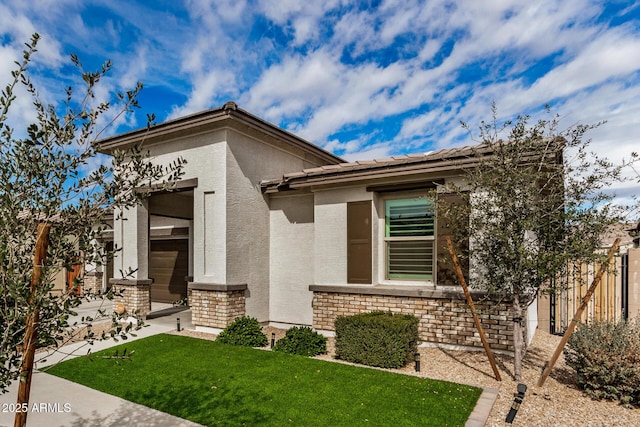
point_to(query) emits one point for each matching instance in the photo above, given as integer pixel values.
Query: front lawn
(217, 384)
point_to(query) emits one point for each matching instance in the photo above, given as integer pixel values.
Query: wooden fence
(608, 302)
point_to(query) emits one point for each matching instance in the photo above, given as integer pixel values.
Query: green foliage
(538, 201)
(51, 171)
(384, 339)
(606, 358)
(231, 385)
(245, 331)
(303, 341)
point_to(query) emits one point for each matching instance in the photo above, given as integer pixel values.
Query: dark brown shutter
(359, 242)
(447, 226)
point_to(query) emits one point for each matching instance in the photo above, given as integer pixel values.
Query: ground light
(517, 401)
(417, 360)
(178, 324)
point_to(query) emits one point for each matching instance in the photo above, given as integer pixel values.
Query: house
(268, 225)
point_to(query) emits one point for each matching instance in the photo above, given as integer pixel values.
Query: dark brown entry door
(168, 266)
(359, 242)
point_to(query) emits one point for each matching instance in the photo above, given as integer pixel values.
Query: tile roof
(447, 158)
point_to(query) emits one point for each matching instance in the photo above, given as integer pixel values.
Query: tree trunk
(31, 332)
(518, 339)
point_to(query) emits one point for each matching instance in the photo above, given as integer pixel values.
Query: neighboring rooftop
(627, 232)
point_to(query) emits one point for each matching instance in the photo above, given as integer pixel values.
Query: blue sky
(363, 79)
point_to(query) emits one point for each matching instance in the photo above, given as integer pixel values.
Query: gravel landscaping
(557, 403)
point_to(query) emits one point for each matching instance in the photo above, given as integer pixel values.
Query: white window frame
(383, 258)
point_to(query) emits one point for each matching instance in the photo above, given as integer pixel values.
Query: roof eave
(206, 120)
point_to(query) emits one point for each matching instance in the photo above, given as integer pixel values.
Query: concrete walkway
(57, 402)
(480, 413)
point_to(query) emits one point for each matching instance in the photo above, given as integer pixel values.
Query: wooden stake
(576, 317)
(31, 332)
(463, 283)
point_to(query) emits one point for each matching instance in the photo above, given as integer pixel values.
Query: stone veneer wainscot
(445, 317)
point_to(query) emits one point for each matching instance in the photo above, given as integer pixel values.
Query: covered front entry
(170, 225)
(169, 267)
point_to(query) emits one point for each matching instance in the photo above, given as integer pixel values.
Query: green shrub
(379, 338)
(244, 331)
(606, 358)
(303, 341)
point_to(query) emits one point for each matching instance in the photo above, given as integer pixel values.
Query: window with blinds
(410, 238)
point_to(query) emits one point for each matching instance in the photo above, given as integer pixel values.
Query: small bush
(606, 358)
(384, 339)
(244, 331)
(303, 341)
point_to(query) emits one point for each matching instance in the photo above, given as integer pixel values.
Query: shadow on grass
(229, 408)
(225, 404)
(214, 384)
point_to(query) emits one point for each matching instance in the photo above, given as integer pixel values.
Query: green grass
(217, 384)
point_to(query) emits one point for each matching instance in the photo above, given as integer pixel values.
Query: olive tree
(537, 200)
(47, 184)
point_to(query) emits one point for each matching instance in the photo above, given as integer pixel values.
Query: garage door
(168, 266)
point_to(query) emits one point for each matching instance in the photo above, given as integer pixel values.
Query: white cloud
(606, 58)
(206, 88)
(403, 71)
(302, 20)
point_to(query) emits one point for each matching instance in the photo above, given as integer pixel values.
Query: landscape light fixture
(417, 360)
(517, 401)
(273, 339)
(178, 324)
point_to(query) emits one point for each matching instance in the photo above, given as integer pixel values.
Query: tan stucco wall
(331, 233)
(330, 239)
(634, 283)
(206, 160)
(59, 282)
(544, 312)
(291, 264)
(231, 218)
(248, 162)
(132, 260)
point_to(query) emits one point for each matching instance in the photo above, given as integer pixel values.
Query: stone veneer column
(134, 295)
(216, 305)
(92, 282)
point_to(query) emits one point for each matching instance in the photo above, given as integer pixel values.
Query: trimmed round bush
(606, 358)
(245, 331)
(378, 338)
(303, 341)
